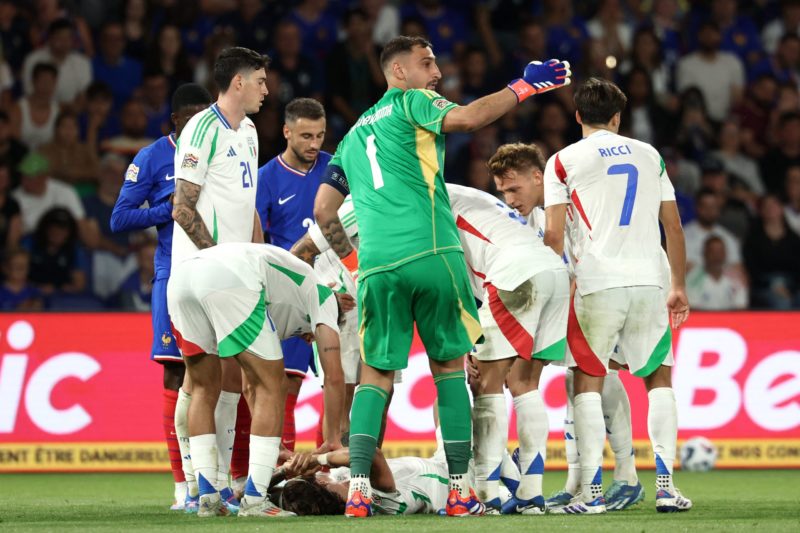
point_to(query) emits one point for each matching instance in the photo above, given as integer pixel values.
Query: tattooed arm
(185, 214)
(326, 205)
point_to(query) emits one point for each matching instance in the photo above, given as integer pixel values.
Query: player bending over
(219, 299)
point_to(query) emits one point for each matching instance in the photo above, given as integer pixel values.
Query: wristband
(350, 261)
(322, 459)
(522, 89)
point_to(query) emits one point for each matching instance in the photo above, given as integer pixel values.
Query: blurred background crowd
(84, 85)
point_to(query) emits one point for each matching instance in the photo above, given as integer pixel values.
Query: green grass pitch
(723, 501)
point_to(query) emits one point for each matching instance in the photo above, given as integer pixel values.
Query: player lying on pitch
(236, 300)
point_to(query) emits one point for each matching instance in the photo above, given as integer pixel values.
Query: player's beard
(301, 156)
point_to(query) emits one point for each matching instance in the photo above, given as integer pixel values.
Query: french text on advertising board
(86, 378)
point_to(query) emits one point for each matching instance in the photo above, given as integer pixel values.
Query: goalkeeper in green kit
(410, 263)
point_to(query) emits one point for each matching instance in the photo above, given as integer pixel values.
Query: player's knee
(661, 377)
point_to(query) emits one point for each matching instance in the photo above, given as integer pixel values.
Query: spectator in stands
(695, 131)
(299, 74)
(478, 178)
(643, 117)
(552, 127)
(317, 27)
(155, 99)
(732, 195)
(98, 123)
(355, 78)
(111, 66)
(136, 25)
(252, 23)
(57, 261)
(133, 137)
(413, 27)
(754, 115)
(786, 152)
(682, 171)
(14, 34)
(531, 42)
(16, 292)
(772, 256)
(741, 167)
(383, 18)
(783, 64)
(791, 210)
(609, 27)
(566, 32)
(10, 219)
(739, 33)
(74, 68)
(11, 150)
(786, 24)
(445, 25)
(647, 54)
(6, 83)
(708, 209)
(712, 286)
(39, 193)
(71, 160)
(49, 12)
(135, 293)
(719, 75)
(204, 70)
(33, 118)
(476, 76)
(665, 21)
(110, 254)
(167, 54)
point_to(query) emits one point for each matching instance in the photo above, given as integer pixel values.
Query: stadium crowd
(84, 85)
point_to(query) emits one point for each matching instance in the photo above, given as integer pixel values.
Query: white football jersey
(296, 300)
(224, 163)
(499, 245)
(421, 486)
(615, 185)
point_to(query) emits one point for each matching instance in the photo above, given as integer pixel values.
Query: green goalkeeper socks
(455, 419)
(365, 427)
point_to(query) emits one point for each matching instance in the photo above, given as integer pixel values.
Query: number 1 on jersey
(630, 191)
(372, 155)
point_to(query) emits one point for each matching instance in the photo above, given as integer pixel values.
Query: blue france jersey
(150, 177)
(285, 199)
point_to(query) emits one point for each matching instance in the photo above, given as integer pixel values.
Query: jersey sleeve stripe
(213, 145)
(579, 206)
(201, 134)
(560, 171)
(199, 128)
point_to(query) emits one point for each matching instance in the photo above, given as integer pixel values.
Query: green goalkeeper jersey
(393, 160)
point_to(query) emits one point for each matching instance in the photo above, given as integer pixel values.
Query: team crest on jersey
(190, 161)
(252, 145)
(166, 339)
(440, 103)
(132, 174)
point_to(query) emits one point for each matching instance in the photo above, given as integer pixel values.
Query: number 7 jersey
(615, 185)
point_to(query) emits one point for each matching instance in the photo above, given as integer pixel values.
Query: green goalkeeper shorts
(434, 292)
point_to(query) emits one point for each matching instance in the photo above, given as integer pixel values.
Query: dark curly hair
(306, 497)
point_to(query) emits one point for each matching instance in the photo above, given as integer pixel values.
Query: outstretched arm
(186, 215)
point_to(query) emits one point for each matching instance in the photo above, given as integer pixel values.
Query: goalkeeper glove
(541, 77)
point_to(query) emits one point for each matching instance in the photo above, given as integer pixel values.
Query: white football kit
(523, 284)
(615, 185)
(224, 163)
(234, 297)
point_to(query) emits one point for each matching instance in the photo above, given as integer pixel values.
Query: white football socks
(225, 423)
(204, 459)
(263, 460)
(490, 426)
(617, 415)
(591, 433)
(532, 430)
(662, 425)
(573, 484)
(182, 434)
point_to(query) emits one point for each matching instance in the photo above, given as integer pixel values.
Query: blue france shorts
(165, 349)
(298, 356)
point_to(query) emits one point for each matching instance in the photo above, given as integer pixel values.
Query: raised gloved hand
(541, 77)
